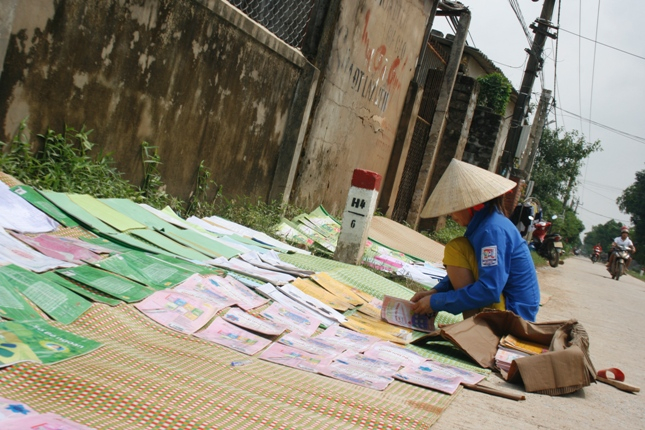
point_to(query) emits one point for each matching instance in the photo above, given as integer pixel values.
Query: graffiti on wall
(374, 73)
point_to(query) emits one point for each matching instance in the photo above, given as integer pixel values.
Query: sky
(599, 87)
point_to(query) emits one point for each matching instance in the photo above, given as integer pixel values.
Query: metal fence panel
(287, 19)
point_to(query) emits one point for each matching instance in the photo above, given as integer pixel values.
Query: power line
(604, 216)
(633, 137)
(518, 13)
(593, 68)
(603, 44)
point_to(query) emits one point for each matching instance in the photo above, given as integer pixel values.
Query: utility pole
(533, 66)
(536, 133)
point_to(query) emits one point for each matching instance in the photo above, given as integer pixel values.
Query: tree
(603, 234)
(558, 162)
(632, 202)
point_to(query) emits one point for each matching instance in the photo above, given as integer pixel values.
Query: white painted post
(359, 209)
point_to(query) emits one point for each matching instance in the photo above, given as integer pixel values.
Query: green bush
(494, 92)
(446, 234)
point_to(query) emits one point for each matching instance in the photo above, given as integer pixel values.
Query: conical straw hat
(463, 186)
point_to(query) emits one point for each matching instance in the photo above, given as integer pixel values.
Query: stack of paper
(505, 357)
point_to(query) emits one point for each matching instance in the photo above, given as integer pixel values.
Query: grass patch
(67, 164)
(446, 234)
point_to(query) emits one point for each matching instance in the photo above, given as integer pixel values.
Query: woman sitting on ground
(474, 197)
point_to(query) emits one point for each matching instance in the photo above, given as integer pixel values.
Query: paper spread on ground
(243, 319)
(276, 278)
(199, 286)
(427, 376)
(13, 251)
(292, 357)
(393, 353)
(19, 215)
(40, 342)
(145, 269)
(350, 339)
(13, 306)
(55, 300)
(270, 291)
(36, 199)
(87, 292)
(244, 297)
(312, 303)
(59, 248)
(116, 286)
(337, 288)
(234, 337)
(47, 421)
(181, 312)
(316, 291)
(293, 319)
(374, 365)
(314, 345)
(10, 409)
(355, 375)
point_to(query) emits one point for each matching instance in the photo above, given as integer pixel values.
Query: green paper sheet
(190, 266)
(169, 245)
(143, 268)
(35, 198)
(107, 244)
(75, 211)
(140, 214)
(56, 301)
(13, 306)
(211, 247)
(132, 243)
(84, 290)
(105, 213)
(114, 285)
(41, 342)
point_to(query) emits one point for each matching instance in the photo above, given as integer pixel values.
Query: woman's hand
(422, 306)
(421, 302)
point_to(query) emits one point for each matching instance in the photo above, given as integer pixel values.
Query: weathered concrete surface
(173, 73)
(372, 61)
(612, 313)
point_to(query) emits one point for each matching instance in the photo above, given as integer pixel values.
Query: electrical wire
(518, 13)
(603, 44)
(633, 137)
(580, 60)
(593, 68)
(604, 216)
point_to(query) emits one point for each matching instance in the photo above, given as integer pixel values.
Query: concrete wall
(372, 61)
(195, 78)
(483, 138)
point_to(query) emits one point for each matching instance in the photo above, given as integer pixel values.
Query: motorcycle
(595, 255)
(547, 244)
(618, 267)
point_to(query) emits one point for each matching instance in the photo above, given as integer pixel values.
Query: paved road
(613, 313)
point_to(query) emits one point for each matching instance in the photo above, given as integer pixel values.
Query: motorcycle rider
(598, 248)
(622, 240)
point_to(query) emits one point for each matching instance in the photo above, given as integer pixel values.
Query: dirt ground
(613, 313)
